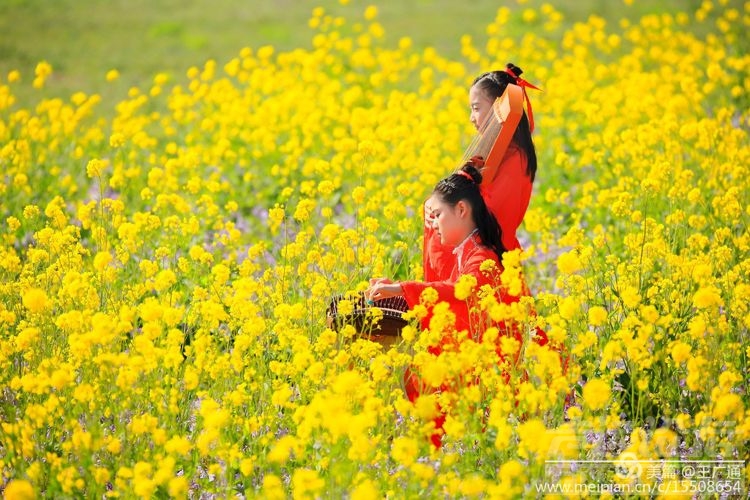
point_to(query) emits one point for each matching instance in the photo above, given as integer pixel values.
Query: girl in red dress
(507, 194)
(462, 222)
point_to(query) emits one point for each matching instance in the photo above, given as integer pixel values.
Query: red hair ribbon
(465, 174)
(523, 84)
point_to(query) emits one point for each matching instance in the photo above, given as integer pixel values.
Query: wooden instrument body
(386, 331)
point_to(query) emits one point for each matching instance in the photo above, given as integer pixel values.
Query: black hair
(493, 84)
(464, 185)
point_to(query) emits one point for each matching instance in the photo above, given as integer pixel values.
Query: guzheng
(496, 133)
(386, 330)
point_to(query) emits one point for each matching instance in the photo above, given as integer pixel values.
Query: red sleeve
(446, 289)
(508, 195)
(413, 290)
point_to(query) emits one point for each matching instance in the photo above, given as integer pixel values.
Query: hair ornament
(524, 85)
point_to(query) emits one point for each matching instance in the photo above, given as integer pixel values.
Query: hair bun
(473, 173)
(515, 69)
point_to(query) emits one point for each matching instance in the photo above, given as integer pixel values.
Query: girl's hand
(375, 281)
(429, 217)
(381, 290)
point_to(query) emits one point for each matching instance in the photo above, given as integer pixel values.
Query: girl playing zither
(463, 223)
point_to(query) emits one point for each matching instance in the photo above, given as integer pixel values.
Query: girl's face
(480, 105)
(453, 224)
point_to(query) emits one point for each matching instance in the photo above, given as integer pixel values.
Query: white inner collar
(457, 251)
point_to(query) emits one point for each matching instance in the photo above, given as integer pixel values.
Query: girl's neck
(458, 251)
(471, 233)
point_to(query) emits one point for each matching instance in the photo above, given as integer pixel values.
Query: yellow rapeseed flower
(273, 488)
(707, 296)
(596, 393)
(371, 12)
(102, 260)
(366, 490)
(306, 483)
(680, 352)
(728, 407)
(597, 315)
(404, 450)
(630, 297)
(178, 487)
(534, 440)
(116, 140)
(465, 286)
(18, 489)
(35, 300)
(569, 262)
(94, 168)
(42, 70)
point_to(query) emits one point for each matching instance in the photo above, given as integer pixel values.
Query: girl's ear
(462, 209)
